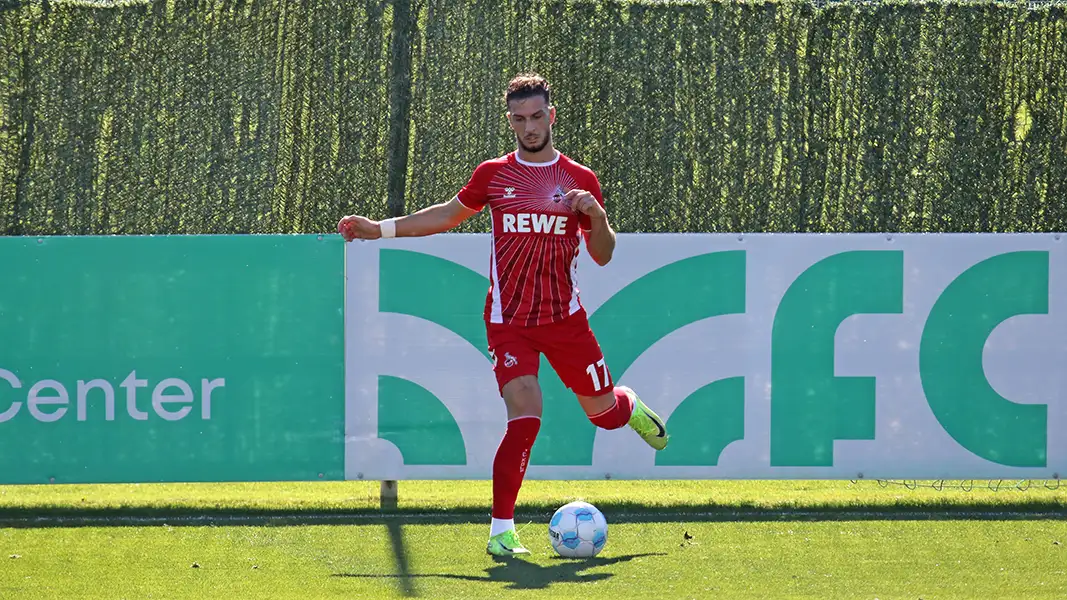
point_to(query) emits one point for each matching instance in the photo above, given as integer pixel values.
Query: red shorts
(569, 345)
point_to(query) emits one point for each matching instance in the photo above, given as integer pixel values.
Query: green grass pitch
(667, 539)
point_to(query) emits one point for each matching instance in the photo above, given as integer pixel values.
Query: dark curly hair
(526, 85)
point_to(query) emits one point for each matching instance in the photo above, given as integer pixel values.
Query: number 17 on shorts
(599, 374)
(568, 345)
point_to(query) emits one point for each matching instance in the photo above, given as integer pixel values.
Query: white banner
(770, 356)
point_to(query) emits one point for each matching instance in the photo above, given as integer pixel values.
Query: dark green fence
(280, 116)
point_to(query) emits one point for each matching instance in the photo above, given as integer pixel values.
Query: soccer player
(542, 205)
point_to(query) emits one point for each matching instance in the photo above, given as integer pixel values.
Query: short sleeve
(475, 195)
(592, 185)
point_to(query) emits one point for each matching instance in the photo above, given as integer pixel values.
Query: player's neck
(545, 155)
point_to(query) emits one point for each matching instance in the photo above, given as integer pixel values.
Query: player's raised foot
(506, 544)
(646, 423)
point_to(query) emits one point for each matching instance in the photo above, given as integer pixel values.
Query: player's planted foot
(646, 423)
(506, 544)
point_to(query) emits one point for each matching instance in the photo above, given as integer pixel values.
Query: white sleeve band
(388, 228)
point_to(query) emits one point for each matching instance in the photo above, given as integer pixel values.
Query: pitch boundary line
(444, 517)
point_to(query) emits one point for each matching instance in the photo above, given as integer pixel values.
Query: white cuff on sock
(500, 526)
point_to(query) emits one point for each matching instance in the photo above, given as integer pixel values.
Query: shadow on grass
(519, 573)
(400, 558)
(616, 512)
(516, 571)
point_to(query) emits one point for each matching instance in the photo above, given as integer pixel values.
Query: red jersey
(533, 265)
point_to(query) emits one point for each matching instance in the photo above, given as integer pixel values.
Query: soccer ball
(578, 530)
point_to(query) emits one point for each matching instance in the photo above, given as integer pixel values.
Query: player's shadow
(524, 575)
(520, 573)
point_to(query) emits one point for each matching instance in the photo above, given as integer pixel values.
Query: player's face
(531, 119)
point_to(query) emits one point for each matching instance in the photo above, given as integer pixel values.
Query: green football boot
(646, 423)
(506, 544)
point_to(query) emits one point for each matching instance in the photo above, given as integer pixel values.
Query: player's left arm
(593, 219)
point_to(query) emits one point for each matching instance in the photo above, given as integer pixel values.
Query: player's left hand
(585, 202)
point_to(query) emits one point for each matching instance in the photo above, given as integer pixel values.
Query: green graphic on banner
(810, 407)
(639, 315)
(921, 328)
(418, 424)
(452, 296)
(434, 289)
(705, 423)
(184, 358)
(950, 359)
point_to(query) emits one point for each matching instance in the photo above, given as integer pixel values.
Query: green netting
(273, 116)
(202, 117)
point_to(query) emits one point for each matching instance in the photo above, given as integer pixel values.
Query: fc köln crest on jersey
(557, 196)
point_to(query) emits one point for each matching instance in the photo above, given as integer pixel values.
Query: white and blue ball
(578, 530)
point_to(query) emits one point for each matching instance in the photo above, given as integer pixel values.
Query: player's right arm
(428, 221)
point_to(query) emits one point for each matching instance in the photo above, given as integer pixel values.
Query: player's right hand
(355, 227)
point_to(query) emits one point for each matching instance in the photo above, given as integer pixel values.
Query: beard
(538, 147)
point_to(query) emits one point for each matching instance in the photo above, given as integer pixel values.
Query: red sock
(616, 416)
(509, 466)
